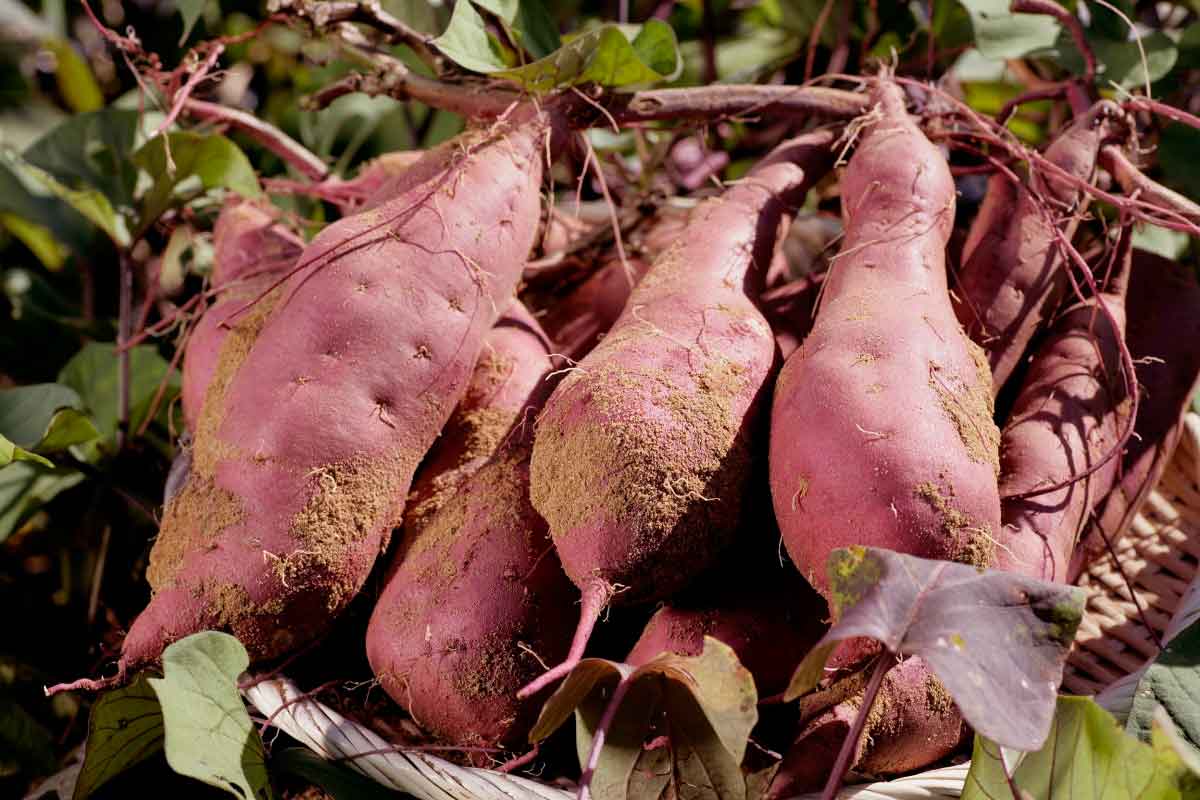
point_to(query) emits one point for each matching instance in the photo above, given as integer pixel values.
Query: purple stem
(840, 767)
(606, 720)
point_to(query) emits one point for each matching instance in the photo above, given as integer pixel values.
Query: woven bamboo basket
(1152, 597)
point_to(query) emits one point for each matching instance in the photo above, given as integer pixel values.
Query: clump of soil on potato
(937, 696)
(969, 542)
(482, 431)
(969, 408)
(192, 520)
(245, 328)
(348, 502)
(670, 504)
(498, 670)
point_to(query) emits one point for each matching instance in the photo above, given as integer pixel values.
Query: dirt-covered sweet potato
(308, 439)
(475, 603)
(643, 452)
(881, 429)
(512, 362)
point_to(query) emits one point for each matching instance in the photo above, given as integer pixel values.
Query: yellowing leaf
(74, 78)
(91, 203)
(38, 238)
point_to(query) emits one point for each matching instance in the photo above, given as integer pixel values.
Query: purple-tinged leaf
(996, 640)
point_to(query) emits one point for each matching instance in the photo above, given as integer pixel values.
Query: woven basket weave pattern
(1159, 558)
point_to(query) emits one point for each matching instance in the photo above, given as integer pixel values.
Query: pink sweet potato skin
(1069, 414)
(771, 618)
(512, 363)
(379, 180)
(251, 250)
(881, 430)
(1013, 275)
(914, 721)
(642, 454)
(474, 598)
(1164, 323)
(308, 440)
(578, 321)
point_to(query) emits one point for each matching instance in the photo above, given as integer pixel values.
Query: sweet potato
(1013, 275)
(642, 454)
(1068, 416)
(251, 250)
(514, 357)
(1164, 323)
(377, 181)
(881, 429)
(913, 718)
(307, 442)
(768, 615)
(474, 599)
